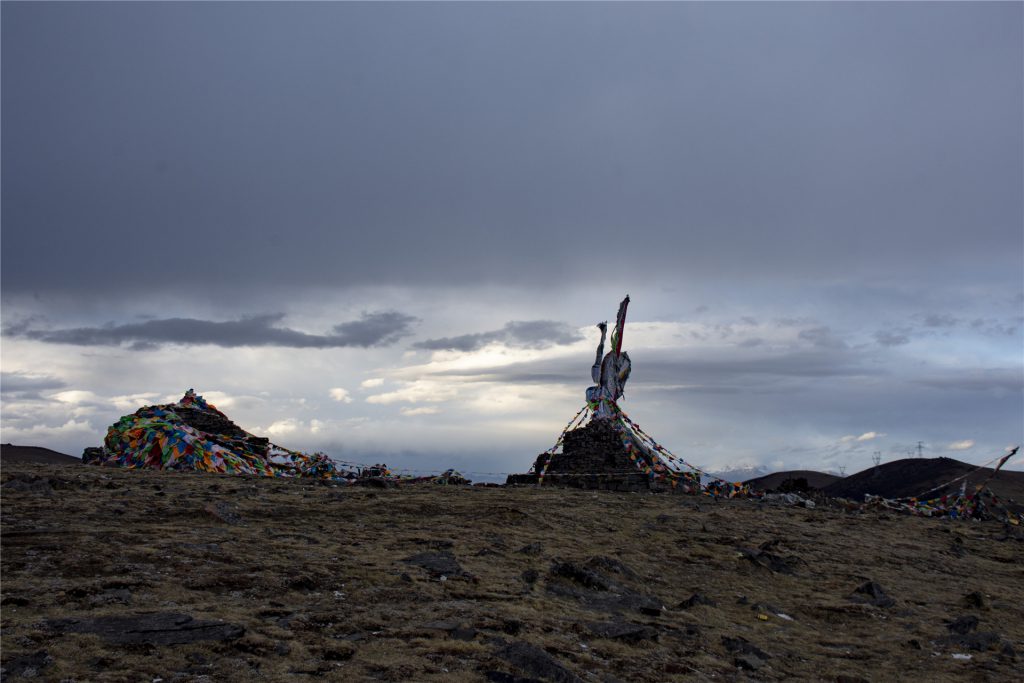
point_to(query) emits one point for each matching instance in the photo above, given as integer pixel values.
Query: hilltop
(915, 476)
(128, 575)
(9, 453)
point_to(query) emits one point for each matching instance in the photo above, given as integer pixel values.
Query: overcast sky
(387, 230)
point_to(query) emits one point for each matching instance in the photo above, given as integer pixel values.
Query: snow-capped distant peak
(741, 473)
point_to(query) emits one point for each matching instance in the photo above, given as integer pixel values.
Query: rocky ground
(112, 575)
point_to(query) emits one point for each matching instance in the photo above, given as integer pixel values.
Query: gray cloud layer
(737, 372)
(26, 386)
(372, 329)
(527, 334)
(851, 166)
(459, 143)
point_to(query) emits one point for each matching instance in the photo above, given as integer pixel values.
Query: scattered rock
(446, 625)
(14, 601)
(772, 562)
(979, 642)
(536, 662)
(749, 662)
(766, 608)
(649, 606)
(697, 599)
(609, 564)
(340, 652)
(26, 666)
(975, 599)
(223, 512)
(503, 677)
(582, 576)
(438, 564)
(533, 549)
(742, 646)
(454, 629)
(160, 628)
(305, 538)
(376, 482)
(678, 668)
(435, 543)
(784, 499)
(29, 484)
(92, 455)
(596, 590)
(622, 630)
(595, 600)
(512, 627)
(963, 625)
(870, 593)
(303, 582)
(963, 633)
(121, 596)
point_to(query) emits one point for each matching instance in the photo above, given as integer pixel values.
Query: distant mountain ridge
(740, 473)
(35, 454)
(917, 476)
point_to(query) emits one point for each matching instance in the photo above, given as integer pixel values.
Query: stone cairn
(593, 457)
(609, 452)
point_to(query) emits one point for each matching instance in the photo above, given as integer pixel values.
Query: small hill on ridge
(816, 480)
(9, 453)
(916, 476)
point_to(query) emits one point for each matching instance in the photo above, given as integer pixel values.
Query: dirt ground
(112, 575)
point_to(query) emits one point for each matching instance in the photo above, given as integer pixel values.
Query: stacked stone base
(592, 457)
(598, 482)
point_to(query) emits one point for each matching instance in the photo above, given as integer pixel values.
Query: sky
(387, 231)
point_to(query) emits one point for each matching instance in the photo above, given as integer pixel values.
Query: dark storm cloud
(453, 143)
(372, 329)
(26, 386)
(524, 334)
(737, 371)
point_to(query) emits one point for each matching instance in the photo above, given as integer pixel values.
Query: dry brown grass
(315, 575)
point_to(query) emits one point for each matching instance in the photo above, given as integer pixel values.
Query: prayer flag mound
(193, 435)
